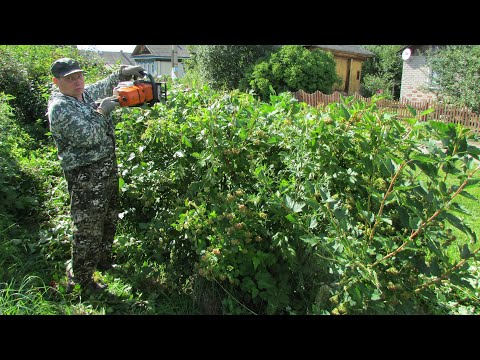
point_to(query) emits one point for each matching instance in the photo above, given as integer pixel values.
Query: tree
(223, 66)
(456, 74)
(293, 68)
(383, 71)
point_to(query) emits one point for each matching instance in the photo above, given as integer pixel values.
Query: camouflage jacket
(82, 135)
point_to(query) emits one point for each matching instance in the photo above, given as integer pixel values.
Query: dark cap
(65, 66)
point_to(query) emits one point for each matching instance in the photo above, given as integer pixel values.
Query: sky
(125, 48)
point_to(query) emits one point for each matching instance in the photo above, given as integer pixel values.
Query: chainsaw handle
(112, 98)
(142, 73)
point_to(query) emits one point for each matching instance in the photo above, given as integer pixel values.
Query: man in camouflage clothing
(84, 133)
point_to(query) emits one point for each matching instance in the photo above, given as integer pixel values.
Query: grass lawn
(472, 206)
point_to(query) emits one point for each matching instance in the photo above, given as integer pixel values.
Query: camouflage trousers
(94, 210)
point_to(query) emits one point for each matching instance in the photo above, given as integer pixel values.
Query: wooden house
(160, 60)
(348, 59)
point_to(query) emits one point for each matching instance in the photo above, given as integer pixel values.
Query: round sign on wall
(406, 54)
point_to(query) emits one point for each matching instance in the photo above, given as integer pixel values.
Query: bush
(293, 68)
(292, 209)
(223, 66)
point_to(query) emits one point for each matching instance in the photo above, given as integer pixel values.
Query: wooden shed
(348, 59)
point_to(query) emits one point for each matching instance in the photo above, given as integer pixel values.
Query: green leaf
(465, 252)
(455, 221)
(457, 280)
(404, 216)
(376, 295)
(356, 294)
(186, 142)
(293, 205)
(412, 110)
(424, 158)
(426, 112)
(459, 208)
(340, 213)
(291, 218)
(439, 126)
(410, 120)
(338, 247)
(427, 167)
(273, 140)
(387, 220)
(367, 215)
(434, 268)
(312, 203)
(346, 113)
(468, 195)
(264, 280)
(242, 133)
(438, 251)
(310, 239)
(256, 261)
(414, 222)
(143, 226)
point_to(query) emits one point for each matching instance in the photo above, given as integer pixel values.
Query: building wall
(415, 80)
(160, 67)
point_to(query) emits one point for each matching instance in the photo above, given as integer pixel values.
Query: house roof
(355, 50)
(112, 57)
(165, 51)
(162, 51)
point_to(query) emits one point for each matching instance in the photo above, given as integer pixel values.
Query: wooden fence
(442, 112)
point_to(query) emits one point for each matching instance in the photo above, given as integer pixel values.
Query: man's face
(71, 85)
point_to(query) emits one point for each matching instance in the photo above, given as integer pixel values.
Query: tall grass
(26, 298)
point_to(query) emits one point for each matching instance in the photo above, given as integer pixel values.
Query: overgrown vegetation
(289, 209)
(383, 72)
(455, 69)
(222, 67)
(292, 68)
(261, 68)
(230, 205)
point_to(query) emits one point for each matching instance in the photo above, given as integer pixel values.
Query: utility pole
(174, 62)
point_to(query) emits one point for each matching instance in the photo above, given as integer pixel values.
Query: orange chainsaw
(139, 92)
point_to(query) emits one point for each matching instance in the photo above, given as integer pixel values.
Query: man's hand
(128, 71)
(107, 105)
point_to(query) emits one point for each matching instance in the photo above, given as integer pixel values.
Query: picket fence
(442, 112)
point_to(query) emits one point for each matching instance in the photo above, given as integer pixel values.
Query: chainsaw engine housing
(138, 92)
